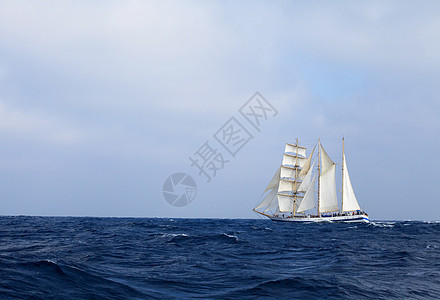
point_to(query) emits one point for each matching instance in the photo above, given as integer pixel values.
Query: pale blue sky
(100, 101)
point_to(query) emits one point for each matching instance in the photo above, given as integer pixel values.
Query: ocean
(136, 258)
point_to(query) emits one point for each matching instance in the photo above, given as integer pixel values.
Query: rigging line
(259, 215)
(273, 198)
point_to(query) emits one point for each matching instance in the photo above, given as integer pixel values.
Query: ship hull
(362, 218)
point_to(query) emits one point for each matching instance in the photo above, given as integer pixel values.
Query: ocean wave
(382, 224)
(167, 235)
(50, 279)
(431, 246)
(182, 238)
(297, 287)
(233, 237)
(77, 258)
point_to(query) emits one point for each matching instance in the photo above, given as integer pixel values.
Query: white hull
(362, 218)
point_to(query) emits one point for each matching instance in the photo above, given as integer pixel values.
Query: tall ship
(303, 189)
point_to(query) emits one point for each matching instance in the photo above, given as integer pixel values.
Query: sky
(101, 101)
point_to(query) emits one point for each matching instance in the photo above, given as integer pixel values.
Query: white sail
(273, 204)
(290, 195)
(274, 181)
(306, 182)
(326, 161)
(288, 185)
(285, 203)
(293, 149)
(308, 202)
(267, 200)
(349, 199)
(277, 210)
(327, 195)
(293, 160)
(306, 167)
(287, 172)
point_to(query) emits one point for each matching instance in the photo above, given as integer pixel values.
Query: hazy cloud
(125, 91)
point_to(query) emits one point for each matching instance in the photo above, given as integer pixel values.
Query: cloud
(150, 81)
(33, 125)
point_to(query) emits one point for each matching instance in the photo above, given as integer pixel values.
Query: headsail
(274, 181)
(270, 201)
(267, 201)
(350, 202)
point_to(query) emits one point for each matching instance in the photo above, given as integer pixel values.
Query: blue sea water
(131, 258)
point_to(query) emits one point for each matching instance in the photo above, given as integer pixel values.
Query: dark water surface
(128, 258)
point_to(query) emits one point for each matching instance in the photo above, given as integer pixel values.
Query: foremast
(284, 195)
(289, 196)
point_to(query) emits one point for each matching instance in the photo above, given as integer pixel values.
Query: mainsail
(327, 180)
(306, 181)
(349, 202)
(308, 201)
(306, 166)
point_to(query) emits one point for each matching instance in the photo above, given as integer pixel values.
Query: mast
(350, 202)
(319, 171)
(296, 177)
(342, 190)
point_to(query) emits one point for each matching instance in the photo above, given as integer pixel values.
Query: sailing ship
(302, 192)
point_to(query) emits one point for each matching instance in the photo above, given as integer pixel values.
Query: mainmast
(319, 172)
(342, 189)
